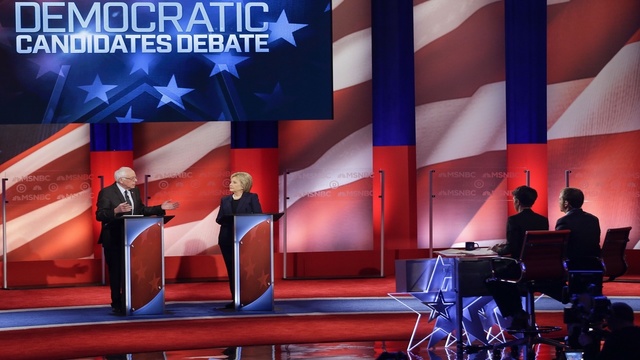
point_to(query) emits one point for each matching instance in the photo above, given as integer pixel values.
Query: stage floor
(312, 319)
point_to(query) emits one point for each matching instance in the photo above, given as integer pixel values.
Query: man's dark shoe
(117, 311)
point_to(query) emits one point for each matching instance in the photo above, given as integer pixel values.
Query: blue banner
(134, 61)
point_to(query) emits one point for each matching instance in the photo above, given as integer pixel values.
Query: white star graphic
(440, 307)
(97, 90)
(127, 118)
(276, 99)
(172, 93)
(141, 62)
(225, 62)
(283, 29)
(441, 276)
(274, 95)
(47, 64)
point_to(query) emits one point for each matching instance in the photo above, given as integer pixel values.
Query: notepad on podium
(454, 252)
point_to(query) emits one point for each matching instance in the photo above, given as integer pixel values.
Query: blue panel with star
(153, 61)
(435, 288)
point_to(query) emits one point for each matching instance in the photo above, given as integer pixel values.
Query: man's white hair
(122, 172)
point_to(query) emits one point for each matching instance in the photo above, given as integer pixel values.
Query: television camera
(589, 309)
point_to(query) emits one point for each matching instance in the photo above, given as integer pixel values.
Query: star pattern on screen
(283, 29)
(172, 93)
(128, 118)
(46, 64)
(141, 62)
(279, 68)
(226, 62)
(97, 90)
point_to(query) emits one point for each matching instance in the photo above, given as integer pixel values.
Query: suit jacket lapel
(118, 193)
(227, 208)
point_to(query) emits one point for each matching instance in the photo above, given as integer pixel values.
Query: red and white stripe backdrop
(594, 108)
(49, 214)
(48, 191)
(460, 120)
(593, 112)
(188, 163)
(593, 117)
(329, 163)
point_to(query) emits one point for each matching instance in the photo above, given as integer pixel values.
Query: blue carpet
(26, 318)
(68, 316)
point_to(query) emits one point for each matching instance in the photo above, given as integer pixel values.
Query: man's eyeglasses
(133, 178)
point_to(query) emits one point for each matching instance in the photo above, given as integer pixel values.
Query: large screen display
(133, 61)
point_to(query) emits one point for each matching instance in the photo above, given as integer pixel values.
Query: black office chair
(612, 254)
(542, 261)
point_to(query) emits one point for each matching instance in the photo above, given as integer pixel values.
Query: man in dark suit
(241, 201)
(583, 247)
(517, 225)
(507, 295)
(583, 252)
(114, 201)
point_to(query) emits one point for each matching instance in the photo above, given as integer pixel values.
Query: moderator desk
(452, 287)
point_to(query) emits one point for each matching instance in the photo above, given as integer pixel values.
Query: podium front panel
(453, 290)
(253, 262)
(144, 266)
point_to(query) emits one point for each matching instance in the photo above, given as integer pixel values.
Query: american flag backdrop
(326, 166)
(48, 193)
(460, 120)
(594, 108)
(593, 111)
(188, 163)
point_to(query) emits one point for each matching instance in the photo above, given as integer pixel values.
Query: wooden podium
(143, 263)
(253, 261)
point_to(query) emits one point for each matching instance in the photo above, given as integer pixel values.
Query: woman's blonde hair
(245, 180)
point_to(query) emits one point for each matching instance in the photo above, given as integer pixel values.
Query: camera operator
(586, 318)
(621, 341)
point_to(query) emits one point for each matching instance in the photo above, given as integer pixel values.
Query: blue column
(111, 137)
(526, 71)
(394, 130)
(526, 96)
(254, 134)
(393, 77)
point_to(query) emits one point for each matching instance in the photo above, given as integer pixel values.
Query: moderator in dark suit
(247, 204)
(112, 233)
(517, 226)
(506, 294)
(584, 239)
